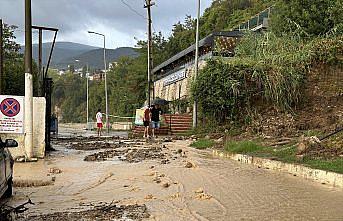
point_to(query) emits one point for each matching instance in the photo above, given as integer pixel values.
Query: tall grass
(265, 66)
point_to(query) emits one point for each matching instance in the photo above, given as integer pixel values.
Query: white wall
(38, 132)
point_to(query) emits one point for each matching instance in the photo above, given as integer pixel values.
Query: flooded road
(172, 181)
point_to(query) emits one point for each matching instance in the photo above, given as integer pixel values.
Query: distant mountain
(61, 51)
(95, 58)
(65, 53)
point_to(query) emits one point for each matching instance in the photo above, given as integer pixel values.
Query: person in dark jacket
(155, 113)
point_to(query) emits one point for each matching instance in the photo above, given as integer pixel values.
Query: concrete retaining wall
(38, 132)
(178, 89)
(321, 176)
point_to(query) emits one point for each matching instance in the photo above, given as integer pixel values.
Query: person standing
(146, 121)
(99, 122)
(155, 113)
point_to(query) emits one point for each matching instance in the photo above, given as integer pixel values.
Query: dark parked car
(6, 167)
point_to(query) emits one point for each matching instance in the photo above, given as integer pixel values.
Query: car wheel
(9, 190)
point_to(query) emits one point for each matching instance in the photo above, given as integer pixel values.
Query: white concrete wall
(122, 126)
(38, 132)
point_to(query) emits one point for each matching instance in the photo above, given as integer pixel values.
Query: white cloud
(111, 17)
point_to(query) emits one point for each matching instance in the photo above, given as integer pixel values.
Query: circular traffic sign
(10, 107)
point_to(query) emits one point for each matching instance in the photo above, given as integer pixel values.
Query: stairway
(173, 124)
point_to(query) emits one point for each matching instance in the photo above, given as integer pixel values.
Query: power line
(133, 10)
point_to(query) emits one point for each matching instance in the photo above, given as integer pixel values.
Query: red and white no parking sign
(11, 114)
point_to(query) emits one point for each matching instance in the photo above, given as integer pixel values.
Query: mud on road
(163, 180)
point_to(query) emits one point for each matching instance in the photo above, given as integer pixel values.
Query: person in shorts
(155, 113)
(99, 123)
(146, 121)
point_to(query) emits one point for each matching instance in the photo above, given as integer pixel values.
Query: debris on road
(200, 190)
(31, 183)
(131, 155)
(149, 197)
(165, 185)
(55, 170)
(103, 212)
(189, 165)
(203, 196)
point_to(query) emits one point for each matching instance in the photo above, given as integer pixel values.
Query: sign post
(11, 114)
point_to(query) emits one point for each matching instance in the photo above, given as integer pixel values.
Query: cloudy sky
(114, 18)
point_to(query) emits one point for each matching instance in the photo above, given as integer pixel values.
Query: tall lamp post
(106, 97)
(87, 79)
(195, 105)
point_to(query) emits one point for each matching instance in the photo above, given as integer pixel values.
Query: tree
(306, 17)
(14, 73)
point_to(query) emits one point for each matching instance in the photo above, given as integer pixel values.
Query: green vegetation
(285, 154)
(267, 69)
(243, 147)
(335, 165)
(308, 18)
(203, 144)
(13, 81)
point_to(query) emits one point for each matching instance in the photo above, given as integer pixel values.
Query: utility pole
(196, 67)
(1, 56)
(87, 78)
(28, 82)
(40, 54)
(148, 5)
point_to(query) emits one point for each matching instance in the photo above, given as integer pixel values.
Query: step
(180, 115)
(177, 117)
(177, 122)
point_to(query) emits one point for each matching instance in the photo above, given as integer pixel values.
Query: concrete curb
(324, 177)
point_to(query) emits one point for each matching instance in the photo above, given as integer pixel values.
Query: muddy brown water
(212, 189)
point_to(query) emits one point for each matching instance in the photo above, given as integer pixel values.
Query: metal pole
(196, 67)
(106, 96)
(1, 56)
(50, 55)
(40, 53)
(87, 76)
(148, 6)
(28, 82)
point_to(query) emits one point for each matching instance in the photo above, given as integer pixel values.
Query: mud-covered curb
(324, 177)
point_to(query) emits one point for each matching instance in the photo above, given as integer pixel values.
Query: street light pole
(107, 122)
(87, 78)
(196, 67)
(106, 96)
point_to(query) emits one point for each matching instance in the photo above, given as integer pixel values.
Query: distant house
(98, 75)
(112, 65)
